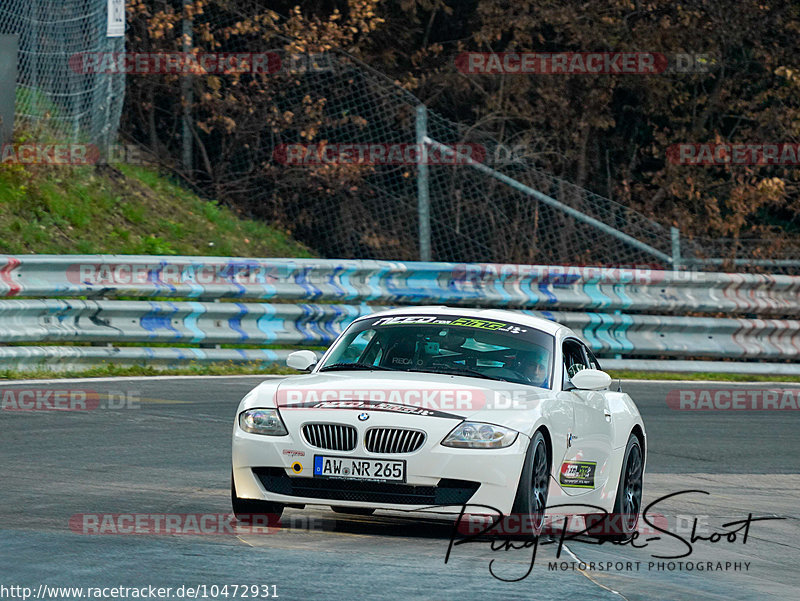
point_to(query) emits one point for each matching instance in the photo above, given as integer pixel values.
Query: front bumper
(438, 478)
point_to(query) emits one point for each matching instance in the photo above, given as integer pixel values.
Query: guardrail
(610, 308)
(526, 286)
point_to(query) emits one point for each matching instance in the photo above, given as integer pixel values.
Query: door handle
(607, 413)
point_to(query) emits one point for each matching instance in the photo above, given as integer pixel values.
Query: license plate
(355, 468)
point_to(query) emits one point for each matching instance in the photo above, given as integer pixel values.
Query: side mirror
(301, 360)
(591, 379)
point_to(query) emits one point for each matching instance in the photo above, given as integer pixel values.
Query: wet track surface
(168, 451)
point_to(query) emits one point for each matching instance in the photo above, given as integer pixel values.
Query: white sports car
(441, 409)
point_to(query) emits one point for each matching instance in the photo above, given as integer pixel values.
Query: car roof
(516, 317)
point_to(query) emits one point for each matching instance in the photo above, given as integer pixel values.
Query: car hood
(403, 393)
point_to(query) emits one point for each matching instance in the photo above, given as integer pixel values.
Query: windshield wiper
(463, 371)
(354, 366)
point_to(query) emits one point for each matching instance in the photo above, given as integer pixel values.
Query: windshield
(463, 346)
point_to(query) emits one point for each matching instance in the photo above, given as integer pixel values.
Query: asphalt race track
(164, 447)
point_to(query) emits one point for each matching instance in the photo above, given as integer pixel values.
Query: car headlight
(475, 435)
(262, 421)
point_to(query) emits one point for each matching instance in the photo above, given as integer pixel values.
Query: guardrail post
(423, 191)
(675, 233)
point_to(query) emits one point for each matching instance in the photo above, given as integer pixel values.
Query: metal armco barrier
(174, 322)
(524, 286)
(74, 299)
(26, 321)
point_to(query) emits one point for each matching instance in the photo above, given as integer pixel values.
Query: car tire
(530, 502)
(353, 510)
(622, 523)
(245, 509)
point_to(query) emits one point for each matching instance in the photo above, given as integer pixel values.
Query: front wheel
(246, 509)
(534, 482)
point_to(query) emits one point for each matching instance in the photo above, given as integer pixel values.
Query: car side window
(592, 361)
(574, 359)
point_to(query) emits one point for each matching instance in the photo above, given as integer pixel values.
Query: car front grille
(446, 492)
(332, 437)
(393, 440)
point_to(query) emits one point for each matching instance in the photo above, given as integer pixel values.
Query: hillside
(123, 209)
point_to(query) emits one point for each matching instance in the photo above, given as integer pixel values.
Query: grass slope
(123, 209)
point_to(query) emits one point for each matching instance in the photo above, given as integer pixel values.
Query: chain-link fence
(348, 207)
(369, 209)
(561, 224)
(575, 226)
(240, 126)
(53, 96)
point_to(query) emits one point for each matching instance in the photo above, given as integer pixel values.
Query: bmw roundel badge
(362, 417)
